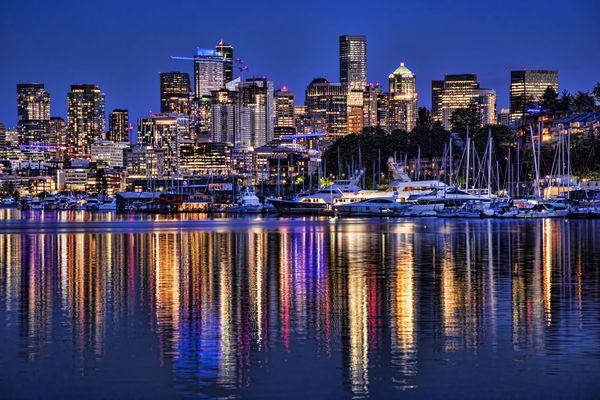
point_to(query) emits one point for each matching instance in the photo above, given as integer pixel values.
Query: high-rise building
(118, 125)
(57, 132)
(370, 95)
(353, 61)
(165, 132)
(175, 92)
(85, 117)
(284, 112)
(527, 88)
(3, 141)
(257, 97)
(403, 99)
(460, 91)
(200, 118)
(485, 100)
(328, 102)
(224, 115)
(226, 50)
(33, 112)
(209, 75)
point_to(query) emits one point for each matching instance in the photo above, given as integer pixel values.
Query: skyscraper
(257, 97)
(57, 132)
(33, 112)
(224, 115)
(353, 61)
(284, 112)
(485, 99)
(175, 92)
(209, 75)
(527, 88)
(226, 51)
(370, 117)
(459, 91)
(85, 118)
(328, 102)
(118, 125)
(403, 99)
(165, 132)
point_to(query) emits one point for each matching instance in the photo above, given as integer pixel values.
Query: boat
(49, 203)
(247, 203)
(543, 210)
(379, 206)
(323, 199)
(35, 204)
(469, 209)
(9, 202)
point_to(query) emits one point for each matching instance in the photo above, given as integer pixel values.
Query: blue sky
(123, 45)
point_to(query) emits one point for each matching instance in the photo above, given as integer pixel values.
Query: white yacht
(247, 203)
(381, 206)
(320, 200)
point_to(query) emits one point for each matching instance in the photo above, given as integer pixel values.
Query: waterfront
(117, 306)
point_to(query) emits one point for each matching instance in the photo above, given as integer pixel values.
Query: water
(104, 306)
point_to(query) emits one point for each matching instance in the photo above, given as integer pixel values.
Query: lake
(110, 306)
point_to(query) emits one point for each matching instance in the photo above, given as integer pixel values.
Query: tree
(565, 103)
(549, 100)
(596, 92)
(430, 139)
(583, 102)
(424, 118)
(464, 118)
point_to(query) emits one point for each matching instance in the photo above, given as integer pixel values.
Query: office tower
(224, 115)
(200, 118)
(485, 99)
(437, 87)
(353, 61)
(165, 132)
(370, 95)
(175, 92)
(226, 50)
(209, 72)
(85, 118)
(57, 132)
(256, 96)
(328, 102)
(383, 108)
(118, 125)
(33, 112)
(456, 92)
(527, 88)
(403, 99)
(503, 117)
(284, 112)
(355, 99)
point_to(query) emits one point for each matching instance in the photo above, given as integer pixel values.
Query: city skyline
(133, 83)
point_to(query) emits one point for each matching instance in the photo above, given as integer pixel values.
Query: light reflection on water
(307, 308)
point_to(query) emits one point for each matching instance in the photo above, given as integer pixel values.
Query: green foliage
(464, 118)
(583, 102)
(549, 100)
(596, 92)
(424, 118)
(585, 155)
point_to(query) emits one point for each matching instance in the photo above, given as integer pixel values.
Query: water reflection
(378, 307)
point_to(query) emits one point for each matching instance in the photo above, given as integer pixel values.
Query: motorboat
(378, 206)
(9, 202)
(247, 203)
(542, 210)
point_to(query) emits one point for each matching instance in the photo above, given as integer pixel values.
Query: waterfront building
(144, 160)
(85, 118)
(527, 88)
(112, 154)
(329, 102)
(175, 92)
(403, 100)
(205, 158)
(353, 61)
(226, 50)
(33, 113)
(209, 72)
(165, 132)
(118, 125)
(284, 113)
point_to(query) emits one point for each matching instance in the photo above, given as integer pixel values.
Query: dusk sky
(123, 45)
